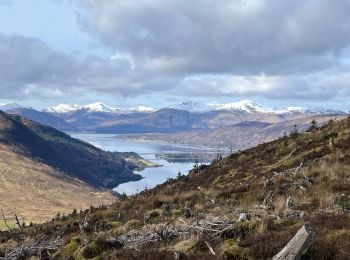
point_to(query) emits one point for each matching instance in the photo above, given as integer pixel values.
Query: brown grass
(36, 192)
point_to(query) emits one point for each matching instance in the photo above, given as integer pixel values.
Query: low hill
(71, 156)
(40, 117)
(244, 206)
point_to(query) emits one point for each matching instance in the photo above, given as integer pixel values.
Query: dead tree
(5, 221)
(299, 244)
(84, 223)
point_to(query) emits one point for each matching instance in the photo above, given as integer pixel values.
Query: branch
(3, 216)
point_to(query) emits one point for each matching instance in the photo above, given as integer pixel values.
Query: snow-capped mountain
(11, 106)
(97, 107)
(249, 106)
(100, 107)
(62, 108)
(192, 107)
(241, 106)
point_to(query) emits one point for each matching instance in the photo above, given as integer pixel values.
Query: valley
(247, 205)
(152, 176)
(44, 171)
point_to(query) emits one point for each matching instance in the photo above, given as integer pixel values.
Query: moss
(69, 250)
(236, 252)
(153, 217)
(3, 227)
(182, 246)
(91, 250)
(132, 224)
(176, 214)
(115, 224)
(230, 250)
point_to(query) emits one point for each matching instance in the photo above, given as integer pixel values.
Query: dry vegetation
(36, 192)
(195, 216)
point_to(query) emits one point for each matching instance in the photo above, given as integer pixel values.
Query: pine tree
(294, 133)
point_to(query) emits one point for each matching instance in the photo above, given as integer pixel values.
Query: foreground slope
(36, 192)
(279, 185)
(58, 150)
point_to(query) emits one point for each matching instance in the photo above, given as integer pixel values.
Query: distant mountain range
(187, 117)
(249, 106)
(244, 106)
(97, 107)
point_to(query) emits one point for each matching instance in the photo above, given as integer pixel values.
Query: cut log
(299, 244)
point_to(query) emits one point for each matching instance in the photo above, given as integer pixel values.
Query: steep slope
(37, 192)
(245, 206)
(74, 157)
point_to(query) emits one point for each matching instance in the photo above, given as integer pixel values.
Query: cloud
(30, 68)
(315, 86)
(195, 48)
(225, 36)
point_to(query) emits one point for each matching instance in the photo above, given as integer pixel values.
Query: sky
(160, 52)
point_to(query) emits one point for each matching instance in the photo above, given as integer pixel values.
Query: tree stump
(299, 244)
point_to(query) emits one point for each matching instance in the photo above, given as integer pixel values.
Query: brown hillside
(37, 192)
(196, 215)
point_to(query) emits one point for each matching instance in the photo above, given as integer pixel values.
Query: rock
(295, 214)
(244, 217)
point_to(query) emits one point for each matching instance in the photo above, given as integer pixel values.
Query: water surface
(148, 150)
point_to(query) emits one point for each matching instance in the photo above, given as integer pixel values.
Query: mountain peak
(11, 106)
(98, 107)
(62, 108)
(191, 106)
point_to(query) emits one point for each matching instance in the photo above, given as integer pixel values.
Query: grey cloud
(273, 49)
(225, 36)
(30, 68)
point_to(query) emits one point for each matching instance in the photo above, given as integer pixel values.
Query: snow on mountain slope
(97, 107)
(62, 108)
(100, 107)
(244, 106)
(11, 106)
(192, 107)
(249, 106)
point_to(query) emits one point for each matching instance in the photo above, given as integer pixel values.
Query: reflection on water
(148, 150)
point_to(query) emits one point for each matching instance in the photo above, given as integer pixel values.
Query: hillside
(37, 192)
(71, 156)
(238, 136)
(277, 186)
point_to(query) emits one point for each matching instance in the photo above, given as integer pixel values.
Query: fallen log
(299, 244)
